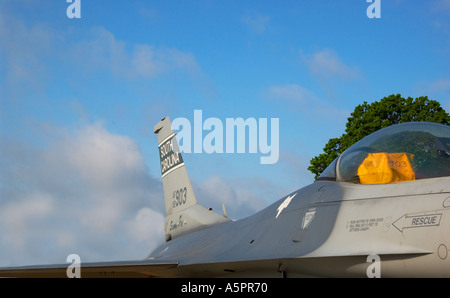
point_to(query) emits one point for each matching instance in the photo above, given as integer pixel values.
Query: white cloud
(102, 51)
(23, 51)
(301, 98)
(18, 215)
(296, 163)
(87, 192)
(327, 64)
(293, 93)
(33, 55)
(441, 85)
(146, 227)
(440, 5)
(239, 201)
(438, 89)
(101, 158)
(257, 23)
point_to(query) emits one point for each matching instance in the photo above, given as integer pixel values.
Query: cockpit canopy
(402, 152)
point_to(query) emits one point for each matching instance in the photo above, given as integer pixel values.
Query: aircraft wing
(119, 269)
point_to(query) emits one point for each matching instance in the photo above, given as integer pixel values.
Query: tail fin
(183, 214)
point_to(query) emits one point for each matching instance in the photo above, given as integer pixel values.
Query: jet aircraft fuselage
(328, 229)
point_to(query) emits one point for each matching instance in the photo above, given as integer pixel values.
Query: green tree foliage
(368, 118)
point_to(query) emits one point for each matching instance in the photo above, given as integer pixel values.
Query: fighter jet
(381, 209)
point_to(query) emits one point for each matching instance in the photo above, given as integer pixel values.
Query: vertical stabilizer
(183, 214)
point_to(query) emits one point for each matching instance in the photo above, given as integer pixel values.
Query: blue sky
(79, 164)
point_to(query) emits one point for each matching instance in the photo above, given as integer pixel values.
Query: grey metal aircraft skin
(381, 208)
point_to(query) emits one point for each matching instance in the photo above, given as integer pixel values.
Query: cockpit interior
(398, 153)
